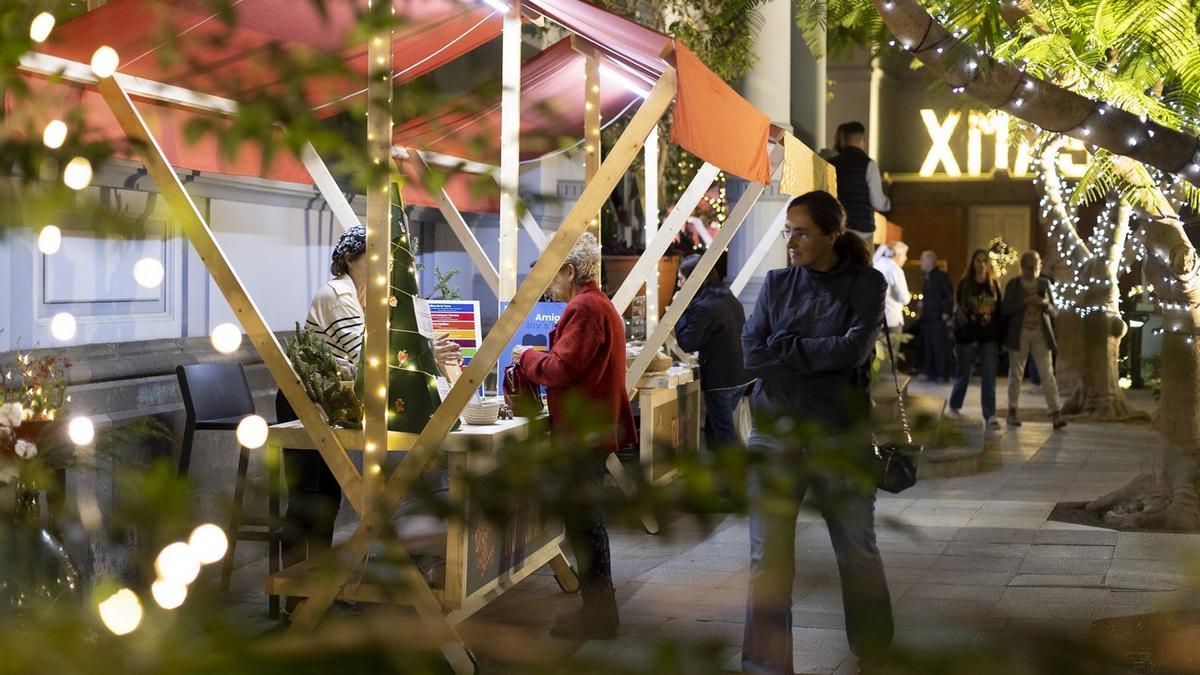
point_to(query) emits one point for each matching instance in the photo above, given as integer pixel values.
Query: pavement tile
(995, 535)
(1066, 580)
(1089, 537)
(984, 549)
(1063, 566)
(976, 563)
(1069, 551)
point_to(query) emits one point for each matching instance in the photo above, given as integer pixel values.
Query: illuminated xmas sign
(994, 124)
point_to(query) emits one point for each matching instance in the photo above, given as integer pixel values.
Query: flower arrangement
(34, 397)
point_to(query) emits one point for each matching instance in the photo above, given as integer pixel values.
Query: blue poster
(535, 330)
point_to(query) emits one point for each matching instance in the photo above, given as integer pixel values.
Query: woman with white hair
(584, 373)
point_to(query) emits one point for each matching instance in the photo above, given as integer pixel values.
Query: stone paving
(968, 559)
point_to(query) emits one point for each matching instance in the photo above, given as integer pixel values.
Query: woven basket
(483, 413)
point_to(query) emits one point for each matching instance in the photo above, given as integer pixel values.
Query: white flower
(11, 414)
(26, 450)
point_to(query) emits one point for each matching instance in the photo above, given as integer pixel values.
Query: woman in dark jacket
(586, 362)
(977, 335)
(810, 341)
(712, 325)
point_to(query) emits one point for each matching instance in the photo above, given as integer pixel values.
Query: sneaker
(1012, 420)
(954, 414)
(993, 423)
(1057, 420)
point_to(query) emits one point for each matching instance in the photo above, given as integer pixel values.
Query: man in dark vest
(860, 188)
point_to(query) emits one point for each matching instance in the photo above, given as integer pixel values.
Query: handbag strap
(887, 335)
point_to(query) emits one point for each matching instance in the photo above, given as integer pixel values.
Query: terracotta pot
(616, 267)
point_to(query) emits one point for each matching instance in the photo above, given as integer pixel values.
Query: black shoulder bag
(896, 463)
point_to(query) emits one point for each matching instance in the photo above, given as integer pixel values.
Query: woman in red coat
(584, 374)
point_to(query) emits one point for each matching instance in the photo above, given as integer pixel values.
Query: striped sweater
(337, 317)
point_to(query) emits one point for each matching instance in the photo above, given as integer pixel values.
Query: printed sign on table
(460, 319)
(535, 330)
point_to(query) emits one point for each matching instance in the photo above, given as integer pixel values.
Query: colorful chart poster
(535, 330)
(460, 319)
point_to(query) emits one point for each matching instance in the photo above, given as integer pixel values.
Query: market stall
(710, 120)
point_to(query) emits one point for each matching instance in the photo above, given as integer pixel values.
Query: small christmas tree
(412, 367)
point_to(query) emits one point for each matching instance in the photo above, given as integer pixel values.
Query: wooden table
(481, 562)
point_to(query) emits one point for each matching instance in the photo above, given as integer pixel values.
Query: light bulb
(81, 430)
(62, 326)
(78, 173)
(226, 338)
(209, 543)
(177, 563)
(121, 612)
(40, 27)
(105, 61)
(252, 432)
(54, 134)
(168, 594)
(50, 239)
(148, 273)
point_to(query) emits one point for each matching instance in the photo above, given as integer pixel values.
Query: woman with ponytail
(810, 341)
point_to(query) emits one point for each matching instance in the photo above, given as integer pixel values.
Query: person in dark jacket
(977, 335)
(860, 187)
(937, 309)
(712, 325)
(586, 362)
(1029, 306)
(809, 342)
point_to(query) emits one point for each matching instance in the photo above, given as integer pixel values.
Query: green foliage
(318, 370)
(442, 290)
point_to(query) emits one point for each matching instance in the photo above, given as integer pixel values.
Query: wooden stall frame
(374, 523)
(769, 240)
(457, 223)
(658, 245)
(197, 230)
(708, 261)
(510, 152)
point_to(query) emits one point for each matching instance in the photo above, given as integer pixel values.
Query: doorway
(1010, 222)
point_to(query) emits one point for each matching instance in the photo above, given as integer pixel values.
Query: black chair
(216, 397)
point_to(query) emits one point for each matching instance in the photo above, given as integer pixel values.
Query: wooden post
(510, 150)
(457, 223)
(214, 259)
(707, 262)
(650, 210)
(658, 245)
(328, 187)
(374, 523)
(591, 129)
(379, 251)
(770, 239)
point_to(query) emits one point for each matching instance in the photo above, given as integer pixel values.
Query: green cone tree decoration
(412, 368)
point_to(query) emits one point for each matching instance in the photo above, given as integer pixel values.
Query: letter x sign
(940, 152)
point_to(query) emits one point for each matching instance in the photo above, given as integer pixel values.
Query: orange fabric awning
(716, 124)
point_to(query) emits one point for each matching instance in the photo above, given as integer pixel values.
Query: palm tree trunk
(1049, 106)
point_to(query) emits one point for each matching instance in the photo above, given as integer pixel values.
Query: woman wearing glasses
(810, 341)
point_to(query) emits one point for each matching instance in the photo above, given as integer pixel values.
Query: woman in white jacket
(889, 260)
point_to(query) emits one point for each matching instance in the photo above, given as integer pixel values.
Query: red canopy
(551, 111)
(230, 60)
(721, 127)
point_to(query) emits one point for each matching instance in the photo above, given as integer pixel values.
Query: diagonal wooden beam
(770, 239)
(661, 241)
(708, 261)
(375, 522)
(214, 259)
(457, 223)
(535, 231)
(328, 187)
(510, 151)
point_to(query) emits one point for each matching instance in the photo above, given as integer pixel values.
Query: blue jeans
(850, 516)
(720, 431)
(967, 354)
